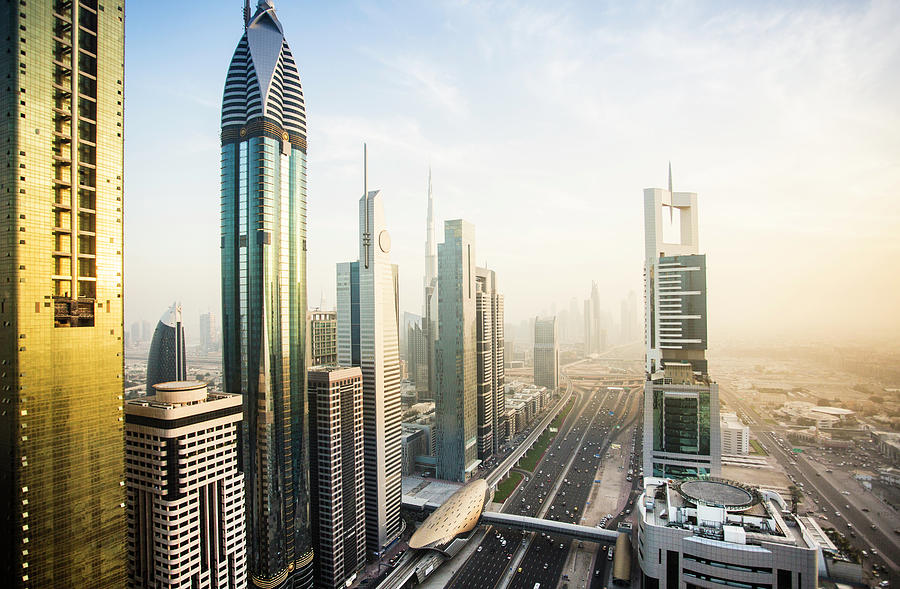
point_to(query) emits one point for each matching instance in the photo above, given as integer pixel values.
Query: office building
(337, 479)
(368, 320)
(61, 436)
(490, 364)
(546, 353)
(185, 493)
(167, 361)
(209, 332)
(456, 395)
(682, 435)
(713, 533)
(321, 327)
(417, 357)
(735, 435)
(589, 328)
(263, 256)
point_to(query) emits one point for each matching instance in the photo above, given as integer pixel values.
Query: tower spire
(367, 237)
(671, 194)
(246, 14)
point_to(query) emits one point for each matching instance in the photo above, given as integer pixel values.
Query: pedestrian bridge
(523, 522)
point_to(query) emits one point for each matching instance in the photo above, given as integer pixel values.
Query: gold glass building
(61, 352)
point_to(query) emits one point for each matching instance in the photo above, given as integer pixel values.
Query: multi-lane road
(558, 489)
(829, 498)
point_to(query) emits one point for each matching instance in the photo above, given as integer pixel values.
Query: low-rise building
(711, 532)
(735, 435)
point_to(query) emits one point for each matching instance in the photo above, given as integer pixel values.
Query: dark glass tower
(264, 294)
(167, 358)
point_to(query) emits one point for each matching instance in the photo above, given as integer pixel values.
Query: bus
(622, 562)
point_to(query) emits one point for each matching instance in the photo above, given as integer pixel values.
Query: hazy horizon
(542, 126)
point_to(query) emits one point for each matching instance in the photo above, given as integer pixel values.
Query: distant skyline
(542, 125)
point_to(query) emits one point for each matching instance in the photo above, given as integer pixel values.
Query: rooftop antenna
(671, 194)
(367, 237)
(246, 14)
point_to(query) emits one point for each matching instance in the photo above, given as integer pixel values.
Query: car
(546, 566)
(480, 548)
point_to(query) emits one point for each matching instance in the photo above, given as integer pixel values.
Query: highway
(830, 498)
(546, 555)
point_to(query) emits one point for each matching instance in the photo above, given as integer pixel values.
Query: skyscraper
(264, 294)
(456, 396)
(337, 478)
(61, 437)
(430, 324)
(167, 360)
(209, 332)
(368, 324)
(417, 357)
(546, 353)
(681, 403)
(491, 371)
(181, 460)
(598, 338)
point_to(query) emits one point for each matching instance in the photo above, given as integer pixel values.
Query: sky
(542, 123)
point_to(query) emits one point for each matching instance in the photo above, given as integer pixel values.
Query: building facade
(490, 362)
(209, 332)
(263, 252)
(546, 353)
(337, 477)
(682, 434)
(368, 324)
(61, 385)
(709, 533)
(181, 460)
(167, 361)
(456, 398)
(322, 329)
(417, 357)
(735, 435)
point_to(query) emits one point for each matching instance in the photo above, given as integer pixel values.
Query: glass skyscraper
(681, 401)
(61, 361)
(264, 294)
(456, 396)
(167, 361)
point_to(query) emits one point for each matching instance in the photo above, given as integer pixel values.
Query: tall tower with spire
(430, 302)
(368, 322)
(263, 253)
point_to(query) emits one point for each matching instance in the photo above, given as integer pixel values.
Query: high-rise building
(456, 396)
(136, 336)
(322, 330)
(682, 435)
(598, 343)
(490, 366)
(430, 323)
(264, 294)
(417, 357)
(588, 328)
(337, 477)
(209, 332)
(146, 334)
(61, 440)
(185, 493)
(546, 353)
(167, 361)
(368, 323)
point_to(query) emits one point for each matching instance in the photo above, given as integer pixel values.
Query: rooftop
(457, 515)
(716, 509)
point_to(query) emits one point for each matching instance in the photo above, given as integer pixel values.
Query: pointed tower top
(670, 177)
(246, 14)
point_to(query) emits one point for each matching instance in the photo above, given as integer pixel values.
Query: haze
(542, 124)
